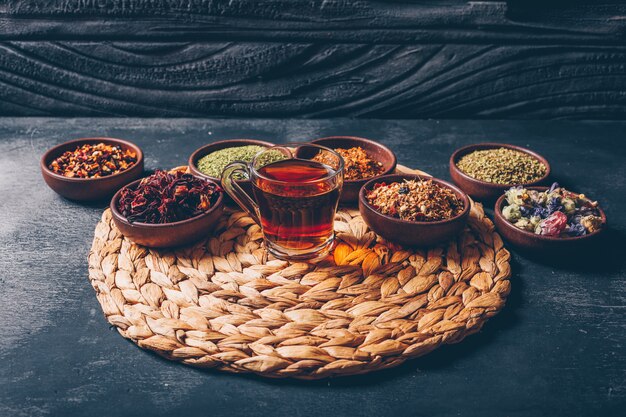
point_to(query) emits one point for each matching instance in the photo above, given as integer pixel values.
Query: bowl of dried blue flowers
(548, 218)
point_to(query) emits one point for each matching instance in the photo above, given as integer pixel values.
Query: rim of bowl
(388, 171)
(120, 217)
(202, 151)
(495, 145)
(466, 200)
(48, 154)
(498, 213)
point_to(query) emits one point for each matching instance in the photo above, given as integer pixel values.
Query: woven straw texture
(224, 304)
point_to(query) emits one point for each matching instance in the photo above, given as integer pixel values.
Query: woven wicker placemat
(224, 304)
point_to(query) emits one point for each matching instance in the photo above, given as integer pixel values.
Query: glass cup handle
(237, 193)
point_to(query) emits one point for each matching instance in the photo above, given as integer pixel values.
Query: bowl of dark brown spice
(364, 160)
(414, 210)
(91, 169)
(486, 170)
(167, 209)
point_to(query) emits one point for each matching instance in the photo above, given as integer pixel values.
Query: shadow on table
(605, 256)
(102, 203)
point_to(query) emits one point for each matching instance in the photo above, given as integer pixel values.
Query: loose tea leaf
(93, 161)
(555, 212)
(165, 198)
(214, 163)
(413, 200)
(502, 166)
(358, 164)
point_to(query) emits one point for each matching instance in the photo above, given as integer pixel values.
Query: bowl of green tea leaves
(210, 160)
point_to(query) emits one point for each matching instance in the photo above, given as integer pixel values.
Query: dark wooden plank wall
(313, 58)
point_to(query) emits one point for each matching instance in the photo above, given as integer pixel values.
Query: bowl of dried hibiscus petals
(414, 210)
(167, 209)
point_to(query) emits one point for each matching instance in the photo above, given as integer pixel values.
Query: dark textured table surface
(558, 347)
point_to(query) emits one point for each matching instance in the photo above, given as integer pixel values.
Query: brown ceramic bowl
(407, 232)
(168, 234)
(89, 189)
(482, 190)
(381, 153)
(532, 242)
(216, 146)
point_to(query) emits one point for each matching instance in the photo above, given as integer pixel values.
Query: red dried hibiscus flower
(165, 197)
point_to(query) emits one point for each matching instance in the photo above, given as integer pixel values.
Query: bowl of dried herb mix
(167, 209)
(486, 170)
(548, 220)
(364, 159)
(210, 160)
(90, 169)
(414, 210)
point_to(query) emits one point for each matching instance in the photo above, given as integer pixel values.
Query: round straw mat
(224, 304)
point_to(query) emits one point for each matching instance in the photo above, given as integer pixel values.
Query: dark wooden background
(314, 58)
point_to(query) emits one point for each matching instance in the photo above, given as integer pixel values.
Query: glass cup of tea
(296, 192)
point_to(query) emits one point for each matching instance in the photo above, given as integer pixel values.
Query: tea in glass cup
(295, 198)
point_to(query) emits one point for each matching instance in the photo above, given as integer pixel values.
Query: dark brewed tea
(297, 200)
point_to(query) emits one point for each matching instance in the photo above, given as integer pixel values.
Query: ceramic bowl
(381, 153)
(168, 234)
(89, 189)
(411, 233)
(216, 146)
(482, 190)
(532, 242)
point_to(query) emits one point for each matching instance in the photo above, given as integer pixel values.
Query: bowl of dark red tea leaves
(167, 209)
(91, 169)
